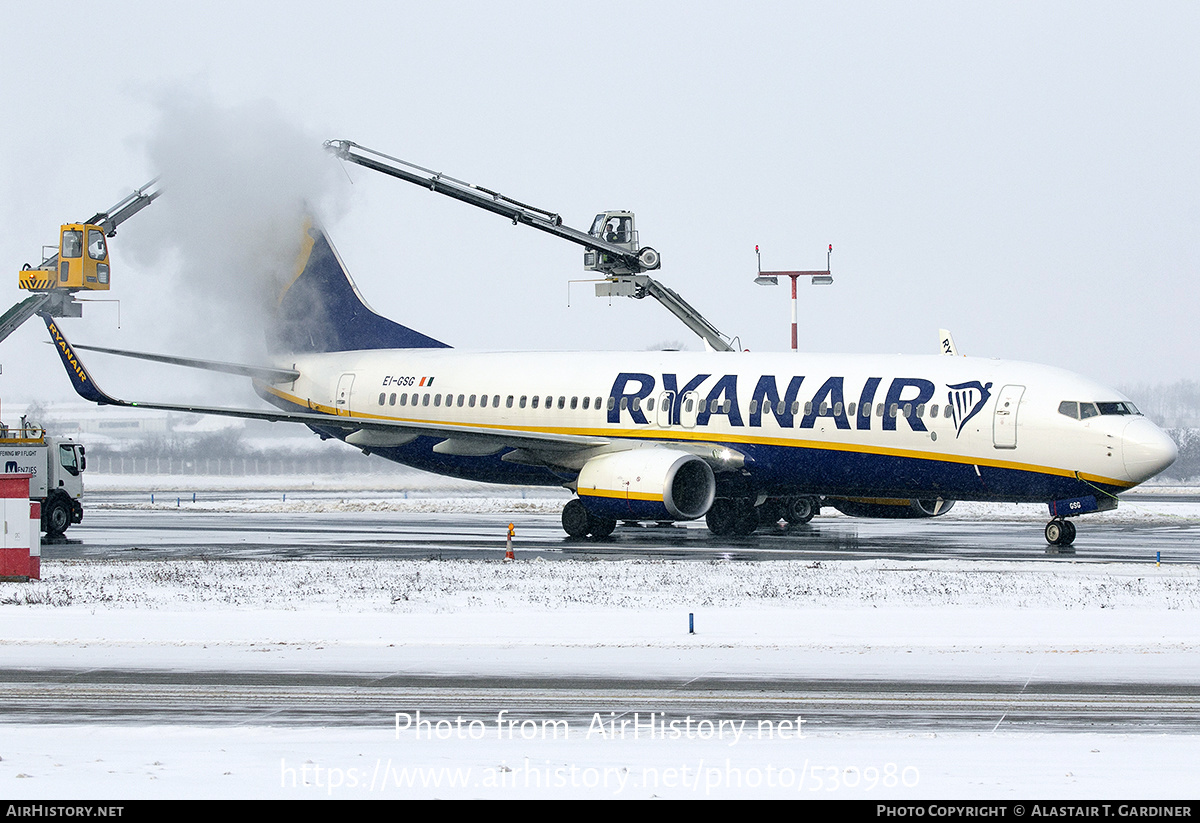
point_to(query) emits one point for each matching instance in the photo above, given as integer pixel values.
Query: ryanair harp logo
(966, 401)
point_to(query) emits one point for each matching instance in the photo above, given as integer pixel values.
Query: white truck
(57, 466)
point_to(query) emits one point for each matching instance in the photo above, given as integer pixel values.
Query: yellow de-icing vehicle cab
(79, 264)
(82, 262)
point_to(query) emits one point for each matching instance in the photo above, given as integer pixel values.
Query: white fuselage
(963, 428)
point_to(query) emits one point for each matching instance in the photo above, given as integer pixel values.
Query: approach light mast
(771, 278)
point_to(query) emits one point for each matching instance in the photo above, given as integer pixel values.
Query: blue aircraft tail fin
(321, 310)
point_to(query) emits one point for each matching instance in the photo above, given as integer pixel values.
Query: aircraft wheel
(745, 521)
(1056, 530)
(720, 518)
(800, 510)
(57, 516)
(770, 512)
(1068, 533)
(601, 527)
(576, 521)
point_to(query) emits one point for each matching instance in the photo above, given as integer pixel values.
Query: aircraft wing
(271, 375)
(365, 431)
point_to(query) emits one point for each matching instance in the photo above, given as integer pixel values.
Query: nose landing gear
(1060, 532)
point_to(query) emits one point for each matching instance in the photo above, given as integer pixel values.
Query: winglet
(84, 385)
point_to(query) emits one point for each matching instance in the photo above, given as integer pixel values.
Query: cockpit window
(1082, 411)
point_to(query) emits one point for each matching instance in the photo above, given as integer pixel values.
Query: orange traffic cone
(508, 551)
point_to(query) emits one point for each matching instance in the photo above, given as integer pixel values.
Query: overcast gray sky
(1024, 174)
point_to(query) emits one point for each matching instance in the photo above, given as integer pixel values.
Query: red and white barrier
(21, 547)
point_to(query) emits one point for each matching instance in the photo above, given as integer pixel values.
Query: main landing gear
(1060, 532)
(578, 522)
(739, 517)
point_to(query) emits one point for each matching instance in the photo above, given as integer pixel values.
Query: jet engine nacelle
(892, 508)
(647, 484)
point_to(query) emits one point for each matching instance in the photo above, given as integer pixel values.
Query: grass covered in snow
(434, 586)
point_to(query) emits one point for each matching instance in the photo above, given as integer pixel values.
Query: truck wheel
(57, 516)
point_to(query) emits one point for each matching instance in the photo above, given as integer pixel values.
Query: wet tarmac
(220, 698)
(187, 533)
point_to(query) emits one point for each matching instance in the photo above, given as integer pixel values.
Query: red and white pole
(795, 314)
(771, 278)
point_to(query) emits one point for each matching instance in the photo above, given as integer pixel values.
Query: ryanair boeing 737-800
(737, 438)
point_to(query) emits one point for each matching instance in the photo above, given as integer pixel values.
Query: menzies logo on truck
(13, 467)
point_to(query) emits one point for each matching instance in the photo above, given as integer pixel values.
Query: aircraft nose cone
(1146, 450)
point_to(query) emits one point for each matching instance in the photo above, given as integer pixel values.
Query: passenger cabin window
(392, 399)
(381, 398)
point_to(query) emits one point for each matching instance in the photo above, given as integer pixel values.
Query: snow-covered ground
(1008, 623)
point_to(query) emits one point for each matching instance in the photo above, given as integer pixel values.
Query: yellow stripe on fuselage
(727, 438)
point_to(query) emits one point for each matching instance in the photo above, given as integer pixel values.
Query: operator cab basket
(82, 262)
